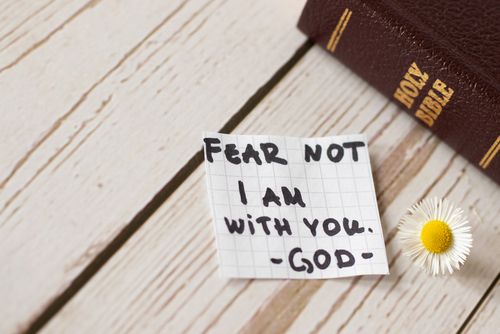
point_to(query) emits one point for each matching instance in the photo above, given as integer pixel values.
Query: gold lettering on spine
(424, 117)
(490, 154)
(442, 101)
(410, 86)
(403, 98)
(427, 111)
(419, 84)
(432, 105)
(415, 71)
(339, 29)
(441, 87)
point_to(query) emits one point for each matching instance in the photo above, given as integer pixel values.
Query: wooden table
(105, 225)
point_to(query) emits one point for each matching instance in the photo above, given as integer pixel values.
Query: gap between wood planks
(143, 215)
(479, 304)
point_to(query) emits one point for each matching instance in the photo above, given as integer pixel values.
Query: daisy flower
(434, 235)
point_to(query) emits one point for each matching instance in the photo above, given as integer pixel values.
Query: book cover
(438, 60)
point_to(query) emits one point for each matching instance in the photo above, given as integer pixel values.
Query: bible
(438, 60)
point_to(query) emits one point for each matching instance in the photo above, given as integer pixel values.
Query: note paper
(293, 207)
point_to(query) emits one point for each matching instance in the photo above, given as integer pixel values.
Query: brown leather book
(438, 60)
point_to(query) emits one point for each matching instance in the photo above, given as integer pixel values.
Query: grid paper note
(295, 208)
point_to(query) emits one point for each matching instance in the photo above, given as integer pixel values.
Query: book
(438, 60)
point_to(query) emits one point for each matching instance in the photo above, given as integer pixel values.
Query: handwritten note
(292, 207)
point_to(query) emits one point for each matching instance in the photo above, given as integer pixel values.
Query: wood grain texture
(487, 319)
(165, 279)
(26, 25)
(99, 117)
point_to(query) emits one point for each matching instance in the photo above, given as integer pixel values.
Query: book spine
(406, 62)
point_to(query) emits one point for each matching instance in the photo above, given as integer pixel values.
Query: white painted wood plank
(487, 318)
(112, 106)
(46, 87)
(26, 25)
(165, 278)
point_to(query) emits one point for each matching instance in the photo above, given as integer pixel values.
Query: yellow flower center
(436, 236)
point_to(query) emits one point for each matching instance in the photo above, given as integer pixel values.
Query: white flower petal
(410, 229)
